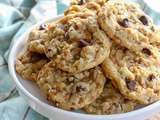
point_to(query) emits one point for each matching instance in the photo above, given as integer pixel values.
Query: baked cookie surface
(77, 43)
(91, 7)
(70, 91)
(29, 64)
(136, 77)
(110, 102)
(82, 2)
(129, 26)
(37, 38)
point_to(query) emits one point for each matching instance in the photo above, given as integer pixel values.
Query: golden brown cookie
(137, 77)
(111, 101)
(82, 2)
(129, 26)
(70, 91)
(77, 43)
(91, 7)
(37, 37)
(28, 65)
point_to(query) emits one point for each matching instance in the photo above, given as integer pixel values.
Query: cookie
(37, 37)
(129, 26)
(136, 77)
(70, 91)
(82, 2)
(77, 43)
(29, 64)
(111, 101)
(87, 7)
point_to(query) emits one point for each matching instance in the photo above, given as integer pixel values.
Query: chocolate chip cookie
(129, 26)
(91, 7)
(82, 2)
(37, 37)
(111, 101)
(70, 91)
(136, 77)
(28, 65)
(77, 43)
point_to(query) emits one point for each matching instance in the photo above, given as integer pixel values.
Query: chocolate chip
(146, 51)
(153, 29)
(42, 27)
(151, 77)
(71, 108)
(131, 84)
(83, 43)
(144, 20)
(76, 27)
(80, 89)
(124, 23)
(125, 50)
(81, 2)
(49, 49)
(66, 36)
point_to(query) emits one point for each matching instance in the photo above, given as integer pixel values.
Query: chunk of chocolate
(83, 43)
(81, 2)
(124, 23)
(71, 108)
(131, 84)
(146, 51)
(66, 36)
(151, 77)
(42, 27)
(144, 20)
(125, 50)
(80, 89)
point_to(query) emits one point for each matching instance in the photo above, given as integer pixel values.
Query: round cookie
(129, 26)
(37, 37)
(77, 43)
(29, 64)
(136, 77)
(110, 102)
(87, 7)
(82, 2)
(70, 91)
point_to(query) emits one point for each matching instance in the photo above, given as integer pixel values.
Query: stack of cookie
(101, 56)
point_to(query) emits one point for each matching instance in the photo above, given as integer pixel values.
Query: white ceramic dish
(30, 92)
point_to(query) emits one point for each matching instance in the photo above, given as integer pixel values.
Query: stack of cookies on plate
(101, 56)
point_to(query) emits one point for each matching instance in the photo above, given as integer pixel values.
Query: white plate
(30, 92)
